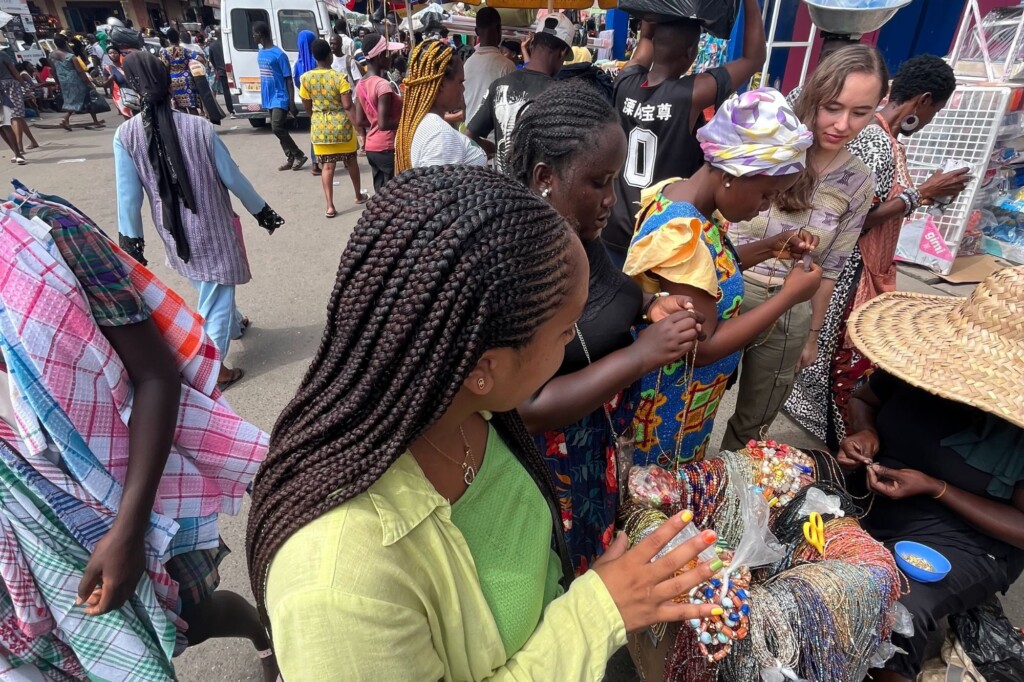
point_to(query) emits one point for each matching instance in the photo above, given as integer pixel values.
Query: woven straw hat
(970, 350)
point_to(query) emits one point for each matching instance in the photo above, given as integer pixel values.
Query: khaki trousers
(768, 367)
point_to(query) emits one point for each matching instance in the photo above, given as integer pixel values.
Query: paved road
(293, 272)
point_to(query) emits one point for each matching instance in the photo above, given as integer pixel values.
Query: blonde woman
(435, 86)
(831, 200)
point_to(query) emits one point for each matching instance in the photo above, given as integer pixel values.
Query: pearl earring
(728, 184)
(546, 192)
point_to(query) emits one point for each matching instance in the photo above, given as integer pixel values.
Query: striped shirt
(839, 206)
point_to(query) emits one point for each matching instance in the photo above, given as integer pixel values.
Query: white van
(286, 19)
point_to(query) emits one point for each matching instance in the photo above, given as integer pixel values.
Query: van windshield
(292, 22)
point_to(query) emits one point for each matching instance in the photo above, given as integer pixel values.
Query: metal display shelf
(966, 129)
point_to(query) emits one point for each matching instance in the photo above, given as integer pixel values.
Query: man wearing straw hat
(939, 431)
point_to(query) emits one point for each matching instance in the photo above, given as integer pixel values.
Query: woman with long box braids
(402, 525)
(568, 147)
(434, 87)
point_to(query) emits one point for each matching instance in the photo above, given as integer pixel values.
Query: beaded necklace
(681, 432)
(625, 442)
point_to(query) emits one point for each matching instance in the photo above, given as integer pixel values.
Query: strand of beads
(729, 514)
(704, 486)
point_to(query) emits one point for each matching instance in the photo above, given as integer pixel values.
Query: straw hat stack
(970, 350)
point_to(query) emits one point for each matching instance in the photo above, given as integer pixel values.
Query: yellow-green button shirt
(384, 587)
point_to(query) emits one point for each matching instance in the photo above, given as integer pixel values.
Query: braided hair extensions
(429, 64)
(445, 263)
(557, 126)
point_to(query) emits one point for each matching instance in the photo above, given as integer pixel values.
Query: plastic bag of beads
(817, 501)
(758, 545)
(652, 486)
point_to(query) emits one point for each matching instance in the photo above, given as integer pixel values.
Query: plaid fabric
(197, 573)
(116, 646)
(102, 275)
(73, 400)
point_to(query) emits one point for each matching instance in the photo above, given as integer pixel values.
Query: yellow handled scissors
(814, 532)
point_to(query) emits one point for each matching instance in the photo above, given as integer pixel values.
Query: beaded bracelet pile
(782, 470)
(716, 634)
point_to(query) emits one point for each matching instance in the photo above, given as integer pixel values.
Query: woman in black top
(568, 147)
(946, 473)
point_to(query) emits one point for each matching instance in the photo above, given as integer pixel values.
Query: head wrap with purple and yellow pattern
(756, 133)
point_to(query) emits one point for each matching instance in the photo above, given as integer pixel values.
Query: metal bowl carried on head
(853, 17)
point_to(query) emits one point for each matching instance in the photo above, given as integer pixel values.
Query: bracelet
(912, 198)
(645, 313)
(939, 496)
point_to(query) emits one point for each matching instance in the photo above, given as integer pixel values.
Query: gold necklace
(468, 462)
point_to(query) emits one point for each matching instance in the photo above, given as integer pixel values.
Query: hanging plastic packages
(818, 501)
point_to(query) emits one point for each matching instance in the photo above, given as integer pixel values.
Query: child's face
(513, 375)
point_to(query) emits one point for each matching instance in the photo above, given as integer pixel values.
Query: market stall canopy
(547, 4)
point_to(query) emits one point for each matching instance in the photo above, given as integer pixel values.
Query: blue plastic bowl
(939, 563)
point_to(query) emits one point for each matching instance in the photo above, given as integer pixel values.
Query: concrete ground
(293, 272)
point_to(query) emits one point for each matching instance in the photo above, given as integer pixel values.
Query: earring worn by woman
(481, 383)
(910, 123)
(546, 192)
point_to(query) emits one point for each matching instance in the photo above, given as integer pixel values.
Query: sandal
(287, 165)
(243, 325)
(316, 170)
(65, 125)
(331, 214)
(234, 377)
(364, 196)
(300, 162)
(20, 160)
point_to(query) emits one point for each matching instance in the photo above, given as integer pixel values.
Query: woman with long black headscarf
(186, 171)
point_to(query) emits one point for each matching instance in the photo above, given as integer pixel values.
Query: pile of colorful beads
(716, 635)
(652, 486)
(781, 470)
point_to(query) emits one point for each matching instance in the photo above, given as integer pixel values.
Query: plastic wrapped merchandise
(716, 16)
(988, 637)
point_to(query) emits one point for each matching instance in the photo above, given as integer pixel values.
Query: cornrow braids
(557, 126)
(428, 67)
(445, 263)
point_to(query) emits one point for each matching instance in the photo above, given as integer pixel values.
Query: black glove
(133, 247)
(268, 219)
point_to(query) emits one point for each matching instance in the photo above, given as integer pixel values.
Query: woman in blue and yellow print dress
(327, 97)
(755, 148)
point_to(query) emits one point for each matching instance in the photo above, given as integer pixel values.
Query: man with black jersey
(660, 110)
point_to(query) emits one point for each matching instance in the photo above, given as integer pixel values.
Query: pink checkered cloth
(215, 452)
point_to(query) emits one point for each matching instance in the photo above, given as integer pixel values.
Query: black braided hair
(445, 263)
(921, 74)
(563, 121)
